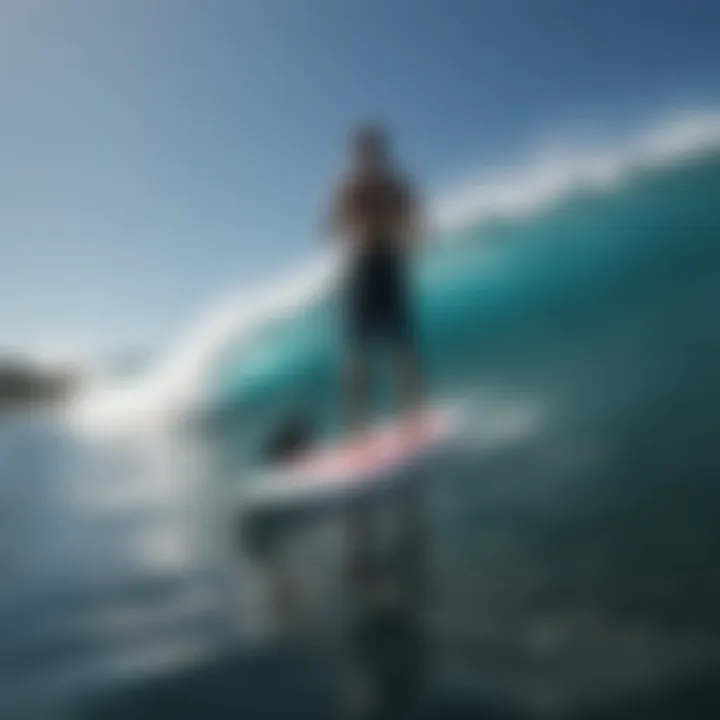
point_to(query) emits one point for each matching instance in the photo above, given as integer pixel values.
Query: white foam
(176, 382)
(173, 384)
(557, 169)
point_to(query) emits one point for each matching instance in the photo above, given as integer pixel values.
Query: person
(375, 213)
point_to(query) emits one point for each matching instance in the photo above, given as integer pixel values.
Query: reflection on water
(106, 570)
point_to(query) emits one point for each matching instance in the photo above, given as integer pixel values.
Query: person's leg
(399, 329)
(359, 327)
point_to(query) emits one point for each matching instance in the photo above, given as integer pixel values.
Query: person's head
(369, 147)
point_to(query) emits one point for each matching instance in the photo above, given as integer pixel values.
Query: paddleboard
(352, 467)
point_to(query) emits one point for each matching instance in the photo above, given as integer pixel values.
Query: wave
(557, 171)
(230, 334)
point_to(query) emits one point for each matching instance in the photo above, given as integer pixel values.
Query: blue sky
(157, 153)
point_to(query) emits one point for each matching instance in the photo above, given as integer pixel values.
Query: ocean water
(106, 576)
(574, 541)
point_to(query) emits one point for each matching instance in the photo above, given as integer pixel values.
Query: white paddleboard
(354, 466)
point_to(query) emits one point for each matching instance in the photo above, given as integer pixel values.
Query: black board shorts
(378, 297)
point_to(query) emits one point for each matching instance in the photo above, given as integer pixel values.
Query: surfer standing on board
(375, 213)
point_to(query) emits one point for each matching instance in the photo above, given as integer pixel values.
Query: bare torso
(373, 211)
